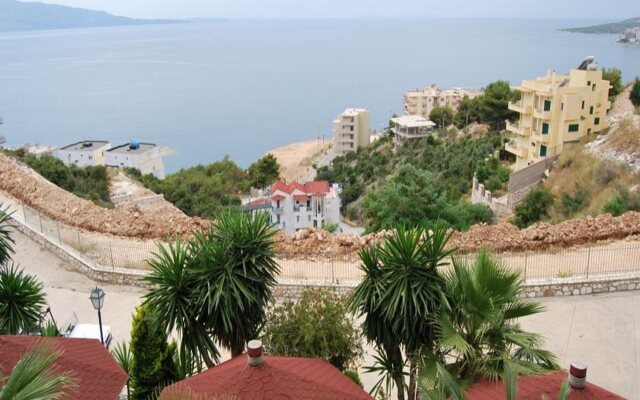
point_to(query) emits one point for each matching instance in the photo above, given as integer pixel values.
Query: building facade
(351, 130)
(557, 111)
(86, 153)
(408, 127)
(146, 157)
(422, 102)
(297, 206)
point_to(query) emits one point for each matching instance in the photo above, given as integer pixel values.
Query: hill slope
(19, 16)
(613, 27)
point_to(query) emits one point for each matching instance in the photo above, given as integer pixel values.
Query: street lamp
(97, 299)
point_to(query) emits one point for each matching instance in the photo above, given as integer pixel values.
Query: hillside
(613, 27)
(19, 16)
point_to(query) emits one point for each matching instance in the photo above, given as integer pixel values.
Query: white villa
(86, 153)
(409, 127)
(146, 157)
(297, 206)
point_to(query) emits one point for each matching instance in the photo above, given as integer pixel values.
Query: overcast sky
(583, 9)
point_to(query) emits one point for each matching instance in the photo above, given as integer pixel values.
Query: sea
(243, 87)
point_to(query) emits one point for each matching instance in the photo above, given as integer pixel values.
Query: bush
(615, 206)
(569, 205)
(623, 201)
(534, 207)
(331, 228)
(318, 326)
(614, 76)
(634, 96)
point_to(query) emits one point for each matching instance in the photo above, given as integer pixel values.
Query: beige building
(557, 111)
(351, 129)
(422, 102)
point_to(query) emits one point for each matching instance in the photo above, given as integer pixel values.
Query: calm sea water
(243, 87)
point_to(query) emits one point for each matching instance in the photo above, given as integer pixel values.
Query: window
(596, 121)
(547, 105)
(593, 88)
(297, 218)
(574, 127)
(589, 131)
(543, 151)
(588, 83)
(309, 218)
(591, 110)
(545, 128)
(583, 104)
(561, 106)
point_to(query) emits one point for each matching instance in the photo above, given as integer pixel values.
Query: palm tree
(235, 273)
(21, 300)
(480, 331)
(400, 297)
(34, 377)
(217, 285)
(6, 241)
(510, 379)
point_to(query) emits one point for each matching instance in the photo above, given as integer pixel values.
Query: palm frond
(22, 300)
(6, 240)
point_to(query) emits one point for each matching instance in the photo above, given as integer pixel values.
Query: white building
(146, 157)
(351, 129)
(298, 206)
(86, 153)
(409, 127)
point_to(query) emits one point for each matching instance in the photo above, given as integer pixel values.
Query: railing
(107, 252)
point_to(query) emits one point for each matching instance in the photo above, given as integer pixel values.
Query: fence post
(59, 236)
(111, 252)
(40, 219)
(526, 257)
(588, 261)
(79, 244)
(333, 274)
(24, 214)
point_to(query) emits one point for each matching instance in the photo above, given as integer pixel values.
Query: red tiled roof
(533, 387)
(317, 187)
(297, 186)
(98, 375)
(279, 185)
(300, 197)
(277, 197)
(279, 378)
(312, 187)
(259, 201)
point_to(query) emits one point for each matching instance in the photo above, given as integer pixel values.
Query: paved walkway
(603, 330)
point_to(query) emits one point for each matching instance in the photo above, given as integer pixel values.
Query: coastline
(296, 159)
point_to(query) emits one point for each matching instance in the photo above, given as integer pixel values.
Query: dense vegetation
(423, 180)
(634, 96)
(205, 190)
(91, 183)
(614, 76)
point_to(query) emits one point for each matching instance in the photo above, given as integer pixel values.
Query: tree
(22, 301)
(216, 286)
(124, 357)
(399, 298)
(614, 76)
(6, 241)
(534, 207)
(442, 116)
(263, 172)
(151, 359)
(34, 377)
(634, 96)
(318, 326)
(494, 104)
(468, 111)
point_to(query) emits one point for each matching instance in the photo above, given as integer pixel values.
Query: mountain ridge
(21, 16)
(612, 27)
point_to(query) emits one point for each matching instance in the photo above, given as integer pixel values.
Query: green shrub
(353, 375)
(331, 228)
(569, 205)
(615, 206)
(623, 201)
(534, 207)
(634, 96)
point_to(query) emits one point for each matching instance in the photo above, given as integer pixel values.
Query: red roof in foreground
(279, 378)
(98, 375)
(533, 387)
(312, 187)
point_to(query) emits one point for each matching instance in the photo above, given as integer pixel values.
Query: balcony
(517, 146)
(519, 107)
(277, 210)
(541, 114)
(301, 209)
(518, 129)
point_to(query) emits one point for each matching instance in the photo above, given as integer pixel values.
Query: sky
(288, 9)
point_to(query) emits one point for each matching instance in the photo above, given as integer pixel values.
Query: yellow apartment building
(351, 129)
(557, 111)
(422, 102)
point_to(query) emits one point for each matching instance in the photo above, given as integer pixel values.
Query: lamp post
(97, 299)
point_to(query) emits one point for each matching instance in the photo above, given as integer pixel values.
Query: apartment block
(422, 102)
(146, 157)
(86, 153)
(557, 111)
(351, 130)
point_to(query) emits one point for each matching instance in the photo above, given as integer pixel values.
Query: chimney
(578, 375)
(254, 349)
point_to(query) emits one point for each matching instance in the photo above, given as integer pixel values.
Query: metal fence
(107, 252)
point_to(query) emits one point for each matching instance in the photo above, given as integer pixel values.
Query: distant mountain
(614, 27)
(19, 16)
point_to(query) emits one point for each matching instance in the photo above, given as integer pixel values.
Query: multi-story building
(422, 102)
(556, 111)
(409, 127)
(146, 157)
(83, 154)
(297, 206)
(351, 129)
